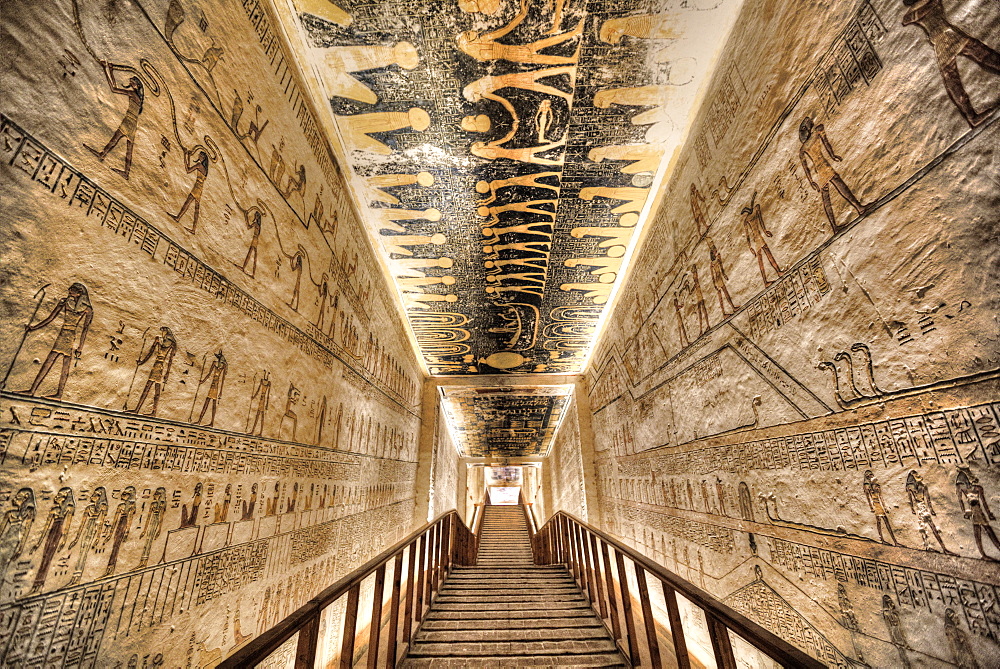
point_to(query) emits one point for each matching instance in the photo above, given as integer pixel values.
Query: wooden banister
(431, 551)
(583, 548)
(528, 520)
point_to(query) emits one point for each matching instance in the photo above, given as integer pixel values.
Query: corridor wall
(564, 469)
(448, 474)
(209, 404)
(795, 401)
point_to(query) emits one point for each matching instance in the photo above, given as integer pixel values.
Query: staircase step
(592, 660)
(504, 550)
(512, 635)
(526, 577)
(501, 544)
(496, 591)
(533, 573)
(502, 541)
(511, 649)
(578, 604)
(507, 599)
(561, 622)
(526, 563)
(537, 569)
(508, 615)
(473, 584)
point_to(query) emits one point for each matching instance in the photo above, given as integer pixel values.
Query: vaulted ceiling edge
(503, 155)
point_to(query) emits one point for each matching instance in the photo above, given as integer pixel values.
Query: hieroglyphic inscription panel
(204, 383)
(796, 398)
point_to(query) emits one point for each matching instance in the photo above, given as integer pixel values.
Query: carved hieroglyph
(796, 401)
(208, 400)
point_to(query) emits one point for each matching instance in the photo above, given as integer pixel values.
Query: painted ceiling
(505, 422)
(505, 153)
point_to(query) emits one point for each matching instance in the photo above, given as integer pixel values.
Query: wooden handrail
(533, 515)
(477, 517)
(583, 548)
(528, 521)
(440, 544)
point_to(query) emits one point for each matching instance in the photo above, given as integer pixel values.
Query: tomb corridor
(457, 333)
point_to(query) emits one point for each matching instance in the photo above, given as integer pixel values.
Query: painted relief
(504, 155)
(207, 396)
(505, 422)
(795, 402)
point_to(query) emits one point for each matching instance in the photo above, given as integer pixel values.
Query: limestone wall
(213, 411)
(564, 467)
(795, 404)
(448, 475)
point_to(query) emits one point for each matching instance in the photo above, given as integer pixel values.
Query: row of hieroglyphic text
(49, 172)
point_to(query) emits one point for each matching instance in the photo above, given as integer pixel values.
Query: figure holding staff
(77, 314)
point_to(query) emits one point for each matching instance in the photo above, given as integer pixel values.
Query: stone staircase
(506, 612)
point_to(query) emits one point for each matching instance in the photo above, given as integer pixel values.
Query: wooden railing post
(442, 537)
(721, 644)
(574, 551)
(633, 647)
(375, 628)
(566, 548)
(591, 587)
(613, 597)
(421, 573)
(564, 552)
(391, 634)
(676, 627)
(305, 652)
(647, 617)
(542, 539)
(410, 589)
(438, 558)
(350, 627)
(432, 545)
(581, 557)
(598, 580)
(448, 543)
(574, 554)
(571, 552)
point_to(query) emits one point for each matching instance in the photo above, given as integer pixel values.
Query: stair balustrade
(598, 565)
(430, 552)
